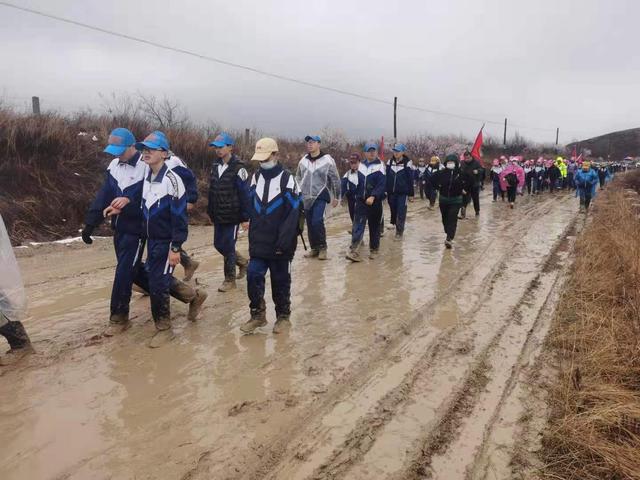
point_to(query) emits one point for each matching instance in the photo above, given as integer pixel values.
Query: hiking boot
(195, 306)
(189, 269)
(354, 256)
(228, 285)
(322, 254)
(448, 244)
(242, 264)
(162, 323)
(313, 253)
(373, 254)
(283, 324)
(118, 323)
(258, 319)
(18, 340)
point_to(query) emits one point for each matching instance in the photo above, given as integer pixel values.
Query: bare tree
(164, 112)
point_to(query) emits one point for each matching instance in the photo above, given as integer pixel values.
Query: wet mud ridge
(415, 365)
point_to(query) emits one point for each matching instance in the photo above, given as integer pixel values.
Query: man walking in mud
(121, 190)
(228, 197)
(319, 182)
(275, 212)
(471, 168)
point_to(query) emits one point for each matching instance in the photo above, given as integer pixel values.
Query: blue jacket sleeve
(288, 229)
(103, 199)
(243, 193)
(179, 219)
(410, 176)
(379, 186)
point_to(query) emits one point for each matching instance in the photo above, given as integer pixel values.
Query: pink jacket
(519, 171)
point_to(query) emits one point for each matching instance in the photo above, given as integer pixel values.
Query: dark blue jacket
(374, 180)
(122, 179)
(400, 176)
(275, 206)
(353, 184)
(164, 207)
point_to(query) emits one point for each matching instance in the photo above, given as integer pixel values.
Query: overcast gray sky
(541, 63)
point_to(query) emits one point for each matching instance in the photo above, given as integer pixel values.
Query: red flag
(477, 146)
(382, 148)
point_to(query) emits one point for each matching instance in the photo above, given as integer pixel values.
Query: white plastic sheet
(13, 301)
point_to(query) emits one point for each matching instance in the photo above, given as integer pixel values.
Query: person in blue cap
(400, 190)
(368, 207)
(275, 209)
(164, 209)
(319, 182)
(228, 207)
(121, 191)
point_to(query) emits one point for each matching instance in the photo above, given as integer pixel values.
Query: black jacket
(451, 183)
(228, 193)
(468, 168)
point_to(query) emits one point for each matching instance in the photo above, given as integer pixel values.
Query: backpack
(511, 179)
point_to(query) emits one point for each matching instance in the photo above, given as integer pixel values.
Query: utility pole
(557, 135)
(504, 140)
(247, 147)
(395, 124)
(35, 104)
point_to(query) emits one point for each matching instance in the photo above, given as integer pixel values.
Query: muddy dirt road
(410, 366)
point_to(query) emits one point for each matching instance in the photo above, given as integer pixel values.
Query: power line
(256, 70)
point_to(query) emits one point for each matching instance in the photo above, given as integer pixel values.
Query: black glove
(86, 234)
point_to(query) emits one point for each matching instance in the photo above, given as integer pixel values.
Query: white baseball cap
(264, 148)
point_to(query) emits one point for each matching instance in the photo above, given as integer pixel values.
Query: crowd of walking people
(148, 193)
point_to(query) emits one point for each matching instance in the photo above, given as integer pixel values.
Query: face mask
(268, 165)
(451, 165)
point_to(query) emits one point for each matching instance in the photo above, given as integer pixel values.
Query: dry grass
(594, 429)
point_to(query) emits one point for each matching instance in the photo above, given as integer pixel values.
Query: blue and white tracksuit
(371, 183)
(399, 188)
(122, 179)
(190, 182)
(275, 206)
(428, 178)
(164, 208)
(349, 188)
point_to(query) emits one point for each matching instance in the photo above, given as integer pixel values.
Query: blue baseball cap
(370, 145)
(399, 147)
(222, 140)
(154, 141)
(315, 138)
(119, 140)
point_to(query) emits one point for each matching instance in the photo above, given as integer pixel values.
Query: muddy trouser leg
(280, 271)
(160, 275)
(393, 207)
(401, 212)
(587, 200)
(422, 189)
(351, 203)
(185, 259)
(224, 241)
(317, 224)
(475, 196)
(14, 332)
(374, 218)
(359, 223)
(255, 282)
(511, 194)
(179, 290)
(466, 198)
(431, 194)
(449, 213)
(129, 250)
(496, 190)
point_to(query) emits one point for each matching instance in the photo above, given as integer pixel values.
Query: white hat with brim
(264, 148)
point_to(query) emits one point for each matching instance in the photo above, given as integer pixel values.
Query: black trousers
(473, 194)
(449, 214)
(511, 193)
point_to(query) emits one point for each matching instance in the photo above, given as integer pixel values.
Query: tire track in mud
(282, 457)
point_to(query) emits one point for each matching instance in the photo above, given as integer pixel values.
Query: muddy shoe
(163, 324)
(312, 253)
(14, 355)
(398, 236)
(354, 256)
(190, 269)
(322, 254)
(118, 323)
(228, 285)
(283, 324)
(242, 263)
(258, 319)
(373, 254)
(195, 306)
